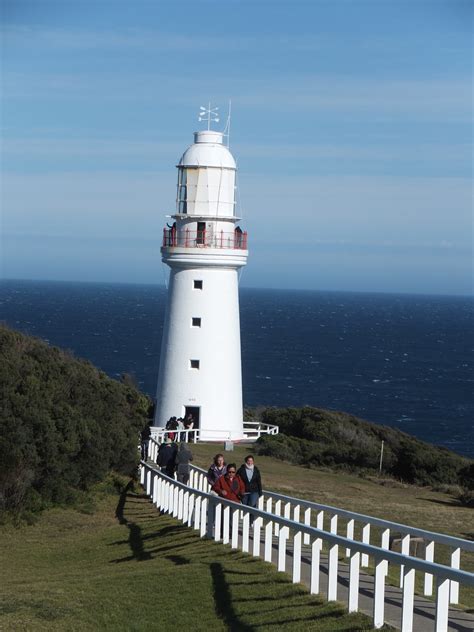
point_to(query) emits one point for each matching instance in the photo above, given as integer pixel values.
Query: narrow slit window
(196, 322)
(194, 364)
(197, 284)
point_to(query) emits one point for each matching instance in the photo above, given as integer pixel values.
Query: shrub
(63, 424)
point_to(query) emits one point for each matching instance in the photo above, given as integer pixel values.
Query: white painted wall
(217, 386)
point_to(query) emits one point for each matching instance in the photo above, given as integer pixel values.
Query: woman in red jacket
(230, 486)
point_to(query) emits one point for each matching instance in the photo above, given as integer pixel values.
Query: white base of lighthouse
(200, 364)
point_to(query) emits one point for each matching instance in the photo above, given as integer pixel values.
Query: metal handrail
(233, 240)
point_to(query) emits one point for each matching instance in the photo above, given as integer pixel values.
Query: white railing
(327, 518)
(253, 430)
(223, 520)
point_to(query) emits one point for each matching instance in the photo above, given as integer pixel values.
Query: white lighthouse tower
(200, 366)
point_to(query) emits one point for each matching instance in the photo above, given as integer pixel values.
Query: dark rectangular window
(196, 322)
(194, 364)
(197, 285)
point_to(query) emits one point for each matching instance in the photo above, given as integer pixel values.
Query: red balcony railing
(236, 240)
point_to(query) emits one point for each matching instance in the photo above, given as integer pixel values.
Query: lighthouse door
(194, 411)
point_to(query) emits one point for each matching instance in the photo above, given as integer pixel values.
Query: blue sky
(351, 127)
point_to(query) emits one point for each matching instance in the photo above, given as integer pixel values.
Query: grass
(416, 506)
(122, 566)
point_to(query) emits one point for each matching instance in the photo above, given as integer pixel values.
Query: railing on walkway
(252, 431)
(328, 518)
(235, 240)
(220, 519)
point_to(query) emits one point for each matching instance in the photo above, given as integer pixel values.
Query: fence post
(379, 594)
(429, 557)
(297, 557)
(442, 605)
(315, 563)
(408, 600)
(354, 572)
(455, 563)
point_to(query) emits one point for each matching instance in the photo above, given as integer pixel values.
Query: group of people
(179, 423)
(242, 485)
(172, 459)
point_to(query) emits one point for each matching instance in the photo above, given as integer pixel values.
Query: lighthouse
(200, 370)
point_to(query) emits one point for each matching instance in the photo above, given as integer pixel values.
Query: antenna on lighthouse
(227, 125)
(209, 114)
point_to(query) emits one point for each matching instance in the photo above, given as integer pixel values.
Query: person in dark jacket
(167, 457)
(250, 475)
(217, 469)
(230, 486)
(183, 458)
(145, 437)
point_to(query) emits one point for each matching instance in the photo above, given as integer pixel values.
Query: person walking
(218, 468)
(167, 457)
(250, 475)
(183, 459)
(230, 486)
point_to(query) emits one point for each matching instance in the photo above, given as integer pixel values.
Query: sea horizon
(394, 359)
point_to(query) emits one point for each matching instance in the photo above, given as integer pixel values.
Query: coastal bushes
(312, 436)
(63, 424)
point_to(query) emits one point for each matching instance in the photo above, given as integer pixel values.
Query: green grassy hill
(315, 437)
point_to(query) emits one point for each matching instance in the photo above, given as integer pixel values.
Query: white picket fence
(328, 518)
(230, 523)
(253, 430)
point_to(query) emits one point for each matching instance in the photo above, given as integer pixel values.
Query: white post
(379, 594)
(203, 517)
(320, 520)
(142, 475)
(332, 572)
(354, 569)
(349, 534)
(235, 529)
(175, 501)
(185, 506)
(245, 532)
(297, 557)
(287, 511)
(257, 528)
(315, 563)
(282, 549)
(455, 563)
(366, 540)
(217, 522)
(226, 532)
(268, 541)
(197, 512)
(191, 509)
(405, 550)
(385, 544)
(429, 557)
(277, 513)
(307, 520)
(442, 605)
(180, 504)
(408, 600)
(296, 513)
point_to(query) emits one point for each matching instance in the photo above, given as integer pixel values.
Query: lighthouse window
(197, 284)
(182, 192)
(196, 322)
(194, 364)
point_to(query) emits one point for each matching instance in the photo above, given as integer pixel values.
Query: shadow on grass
(135, 539)
(223, 601)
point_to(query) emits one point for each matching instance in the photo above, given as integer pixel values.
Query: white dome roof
(207, 151)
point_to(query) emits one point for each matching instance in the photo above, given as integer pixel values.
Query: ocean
(400, 360)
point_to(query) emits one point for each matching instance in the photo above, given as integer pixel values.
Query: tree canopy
(63, 423)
